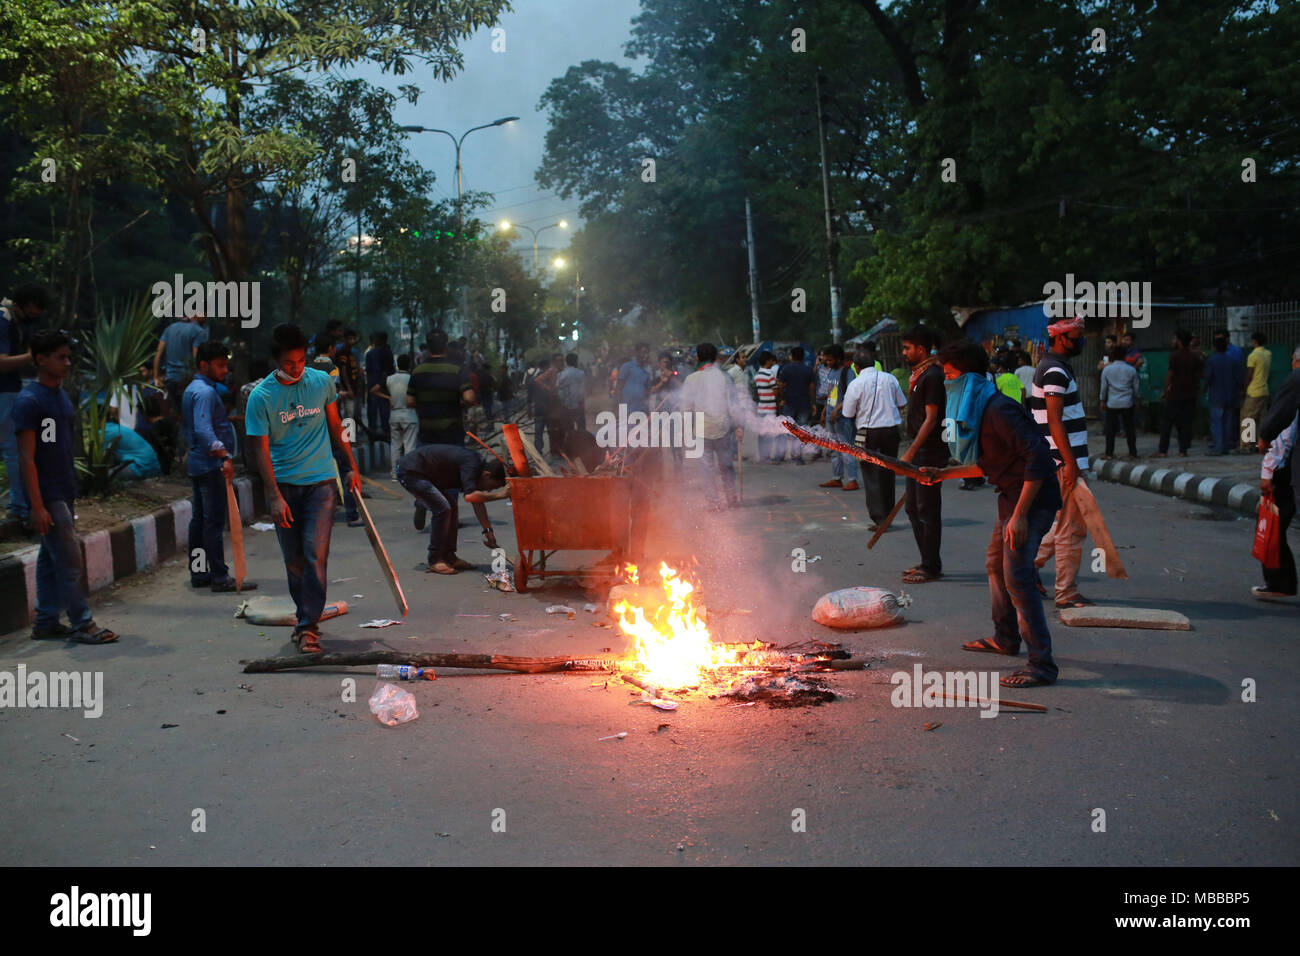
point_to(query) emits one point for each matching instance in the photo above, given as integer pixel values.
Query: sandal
(309, 643)
(1024, 679)
(920, 577)
(1079, 601)
(987, 645)
(55, 632)
(92, 633)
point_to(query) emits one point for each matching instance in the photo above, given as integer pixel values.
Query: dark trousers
(540, 411)
(1113, 418)
(207, 522)
(1283, 577)
(377, 411)
(878, 482)
(1179, 412)
(1013, 587)
(305, 546)
(924, 507)
(444, 514)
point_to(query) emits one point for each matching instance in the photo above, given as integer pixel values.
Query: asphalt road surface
(1147, 726)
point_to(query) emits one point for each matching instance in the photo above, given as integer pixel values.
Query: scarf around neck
(967, 396)
(917, 370)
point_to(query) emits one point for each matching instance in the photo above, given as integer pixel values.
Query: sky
(543, 38)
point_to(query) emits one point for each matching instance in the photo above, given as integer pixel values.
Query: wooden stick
(497, 662)
(1035, 708)
(381, 554)
(1091, 515)
(536, 456)
(236, 533)
(884, 525)
(895, 465)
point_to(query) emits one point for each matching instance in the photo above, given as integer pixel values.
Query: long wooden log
(906, 469)
(496, 662)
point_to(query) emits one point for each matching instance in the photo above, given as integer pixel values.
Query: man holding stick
(995, 437)
(925, 403)
(211, 439)
(292, 417)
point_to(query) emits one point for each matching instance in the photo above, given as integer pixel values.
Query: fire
(673, 646)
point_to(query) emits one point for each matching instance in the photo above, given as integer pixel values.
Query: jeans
(444, 514)
(1223, 419)
(1013, 587)
(1064, 541)
(377, 411)
(924, 507)
(207, 522)
(1113, 417)
(1179, 412)
(58, 572)
(305, 546)
(19, 506)
(844, 466)
(405, 435)
(878, 482)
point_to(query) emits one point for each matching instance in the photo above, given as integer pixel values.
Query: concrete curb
(1229, 493)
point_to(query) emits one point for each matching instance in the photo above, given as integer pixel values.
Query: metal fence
(1280, 321)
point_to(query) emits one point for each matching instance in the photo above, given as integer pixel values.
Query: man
(926, 400)
(352, 382)
(403, 425)
(1119, 398)
(1258, 365)
(46, 423)
(871, 402)
(1223, 384)
(996, 437)
(571, 389)
(292, 419)
(843, 467)
(714, 395)
(1182, 386)
(800, 387)
(1004, 377)
(634, 380)
(379, 366)
(27, 304)
(553, 412)
(771, 446)
(439, 390)
(434, 474)
(1107, 349)
(1025, 371)
(209, 464)
(174, 357)
(1056, 407)
(488, 387)
(1132, 354)
(326, 347)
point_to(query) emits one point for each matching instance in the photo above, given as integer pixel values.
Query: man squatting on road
(996, 437)
(291, 419)
(434, 474)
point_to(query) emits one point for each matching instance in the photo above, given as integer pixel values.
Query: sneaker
(420, 516)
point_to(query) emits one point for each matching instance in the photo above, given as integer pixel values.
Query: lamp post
(506, 225)
(460, 207)
(560, 265)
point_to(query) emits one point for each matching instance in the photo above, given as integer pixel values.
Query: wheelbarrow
(572, 513)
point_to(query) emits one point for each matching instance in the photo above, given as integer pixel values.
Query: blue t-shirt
(49, 413)
(293, 416)
(138, 454)
(12, 342)
(636, 386)
(180, 339)
(205, 421)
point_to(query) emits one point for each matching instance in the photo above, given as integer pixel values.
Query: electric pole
(753, 269)
(832, 243)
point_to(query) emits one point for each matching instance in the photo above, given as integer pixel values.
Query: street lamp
(561, 264)
(506, 225)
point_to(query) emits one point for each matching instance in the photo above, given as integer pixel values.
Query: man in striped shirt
(770, 447)
(1058, 411)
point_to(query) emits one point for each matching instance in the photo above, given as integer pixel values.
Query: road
(1148, 726)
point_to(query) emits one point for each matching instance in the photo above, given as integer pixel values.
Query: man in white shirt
(872, 401)
(403, 421)
(711, 392)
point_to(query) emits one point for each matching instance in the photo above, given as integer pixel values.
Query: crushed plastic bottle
(404, 672)
(561, 609)
(392, 705)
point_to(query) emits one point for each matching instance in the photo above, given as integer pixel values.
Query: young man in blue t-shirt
(24, 306)
(291, 418)
(45, 422)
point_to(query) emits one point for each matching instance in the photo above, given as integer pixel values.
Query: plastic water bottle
(402, 672)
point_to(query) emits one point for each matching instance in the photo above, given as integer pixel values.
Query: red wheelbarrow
(572, 513)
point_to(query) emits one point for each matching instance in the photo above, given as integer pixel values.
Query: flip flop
(986, 645)
(1024, 679)
(920, 577)
(1079, 601)
(309, 643)
(92, 634)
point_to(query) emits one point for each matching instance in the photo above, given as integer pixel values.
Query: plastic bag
(1268, 534)
(860, 607)
(392, 705)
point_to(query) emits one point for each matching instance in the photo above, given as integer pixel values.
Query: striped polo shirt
(1055, 377)
(765, 383)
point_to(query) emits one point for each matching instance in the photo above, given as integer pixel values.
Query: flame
(631, 572)
(673, 646)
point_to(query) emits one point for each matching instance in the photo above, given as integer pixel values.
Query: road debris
(380, 622)
(618, 736)
(262, 526)
(499, 581)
